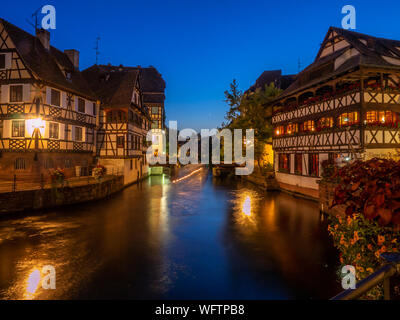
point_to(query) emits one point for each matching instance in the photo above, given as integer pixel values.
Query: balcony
(47, 112)
(44, 145)
(371, 96)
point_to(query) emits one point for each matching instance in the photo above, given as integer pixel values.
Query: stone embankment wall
(326, 194)
(53, 197)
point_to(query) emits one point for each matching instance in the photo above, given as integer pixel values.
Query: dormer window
(2, 61)
(68, 76)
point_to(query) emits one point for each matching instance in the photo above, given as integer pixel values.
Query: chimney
(44, 37)
(73, 55)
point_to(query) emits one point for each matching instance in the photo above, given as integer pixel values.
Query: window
(298, 163)
(131, 164)
(120, 141)
(154, 124)
(20, 164)
(280, 130)
(2, 61)
(325, 123)
(348, 119)
(49, 163)
(154, 110)
(292, 128)
(313, 164)
(54, 129)
(16, 93)
(67, 163)
(78, 134)
(94, 109)
(55, 97)
(81, 105)
(308, 126)
(18, 128)
(381, 117)
(284, 162)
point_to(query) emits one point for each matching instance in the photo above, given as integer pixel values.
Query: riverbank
(29, 200)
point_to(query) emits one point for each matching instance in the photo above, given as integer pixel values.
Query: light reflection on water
(198, 238)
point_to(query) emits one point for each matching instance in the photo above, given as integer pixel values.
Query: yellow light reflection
(247, 206)
(32, 284)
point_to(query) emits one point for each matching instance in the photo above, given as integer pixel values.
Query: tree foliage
(251, 111)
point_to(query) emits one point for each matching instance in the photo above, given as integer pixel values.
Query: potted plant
(99, 171)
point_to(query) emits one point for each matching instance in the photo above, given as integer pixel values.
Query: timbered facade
(123, 120)
(47, 111)
(343, 106)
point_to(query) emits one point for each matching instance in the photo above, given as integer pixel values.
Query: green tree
(252, 111)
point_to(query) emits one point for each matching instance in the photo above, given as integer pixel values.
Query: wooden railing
(41, 144)
(370, 96)
(8, 110)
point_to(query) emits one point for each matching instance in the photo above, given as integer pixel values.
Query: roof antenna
(34, 20)
(97, 50)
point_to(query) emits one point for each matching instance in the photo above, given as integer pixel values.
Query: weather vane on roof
(33, 21)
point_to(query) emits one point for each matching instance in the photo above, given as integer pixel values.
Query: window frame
(313, 164)
(78, 129)
(5, 61)
(53, 96)
(50, 130)
(120, 141)
(22, 93)
(12, 129)
(80, 102)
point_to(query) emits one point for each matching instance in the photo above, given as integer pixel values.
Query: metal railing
(383, 275)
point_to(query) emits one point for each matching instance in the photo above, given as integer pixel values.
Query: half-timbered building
(47, 111)
(344, 105)
(123, 120)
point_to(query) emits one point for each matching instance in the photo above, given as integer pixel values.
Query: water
(197, 239)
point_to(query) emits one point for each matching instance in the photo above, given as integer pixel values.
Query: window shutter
(26, 93)
(8, 60)
(5, 93)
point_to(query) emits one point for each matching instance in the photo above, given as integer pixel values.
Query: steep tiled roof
(113, 87)
(370, 53)
(46, 65)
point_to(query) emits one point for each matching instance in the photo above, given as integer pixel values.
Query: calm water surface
(196, 239)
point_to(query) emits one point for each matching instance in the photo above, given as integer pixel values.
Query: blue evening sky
(200, 46)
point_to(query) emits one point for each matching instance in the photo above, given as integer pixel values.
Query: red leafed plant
(371, 188)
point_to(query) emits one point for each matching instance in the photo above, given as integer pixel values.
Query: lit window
(308, 126)
(54, 129)
(313, 164)
(292, 128)
(348, 119)
(284, 162)
(279, 130)
(325, 122)
(18, 128)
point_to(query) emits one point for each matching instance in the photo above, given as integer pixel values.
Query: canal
(199, 238)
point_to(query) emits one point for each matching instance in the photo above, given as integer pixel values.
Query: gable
(333, 42)
(14, 66)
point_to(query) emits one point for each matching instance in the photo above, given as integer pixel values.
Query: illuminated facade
(47, 111)
(123, 120)
(343, 106)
